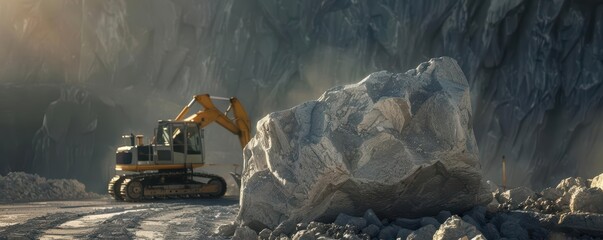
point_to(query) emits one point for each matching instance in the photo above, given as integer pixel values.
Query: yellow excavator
(165, 167)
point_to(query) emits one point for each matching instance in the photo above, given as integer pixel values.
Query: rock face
(401, 144)
(534, 66)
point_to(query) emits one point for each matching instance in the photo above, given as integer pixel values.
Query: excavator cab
(178, 145)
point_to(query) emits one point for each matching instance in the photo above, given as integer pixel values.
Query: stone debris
(25, 187)
(400, 144)
(523, 222)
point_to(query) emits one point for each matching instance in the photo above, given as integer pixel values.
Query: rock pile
(575, 204)
(474, 224)
(22, 187)
(569, 211)
(401, 144)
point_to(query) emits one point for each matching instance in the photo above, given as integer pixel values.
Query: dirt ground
(106, 219)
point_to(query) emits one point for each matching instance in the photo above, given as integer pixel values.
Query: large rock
(597, 182)
(516, 196)
(401, 144)
(587, 200)
(588, 223)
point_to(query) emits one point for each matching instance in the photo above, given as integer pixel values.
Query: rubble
(399, 144)
(24, 187)
(522, 222)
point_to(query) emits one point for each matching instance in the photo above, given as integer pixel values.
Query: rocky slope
(534, 66)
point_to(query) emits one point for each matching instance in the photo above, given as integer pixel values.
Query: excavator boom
(210, 113)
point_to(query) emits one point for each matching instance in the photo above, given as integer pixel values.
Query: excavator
(165, 167)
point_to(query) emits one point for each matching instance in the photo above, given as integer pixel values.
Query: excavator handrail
(209, 113)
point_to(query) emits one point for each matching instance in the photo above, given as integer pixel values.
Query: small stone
(342, 219)
(389, 232)
(516, 196)
(551, 194)
(426, 232)
(244, 233)
(412, 224)
(265, 234)
(490, 231)
(285, 228)
(403, 233)
(478, 213)
(430, 220)
(371, 218)
(303, 235)
(372, 230)
(512, 229)
(226, 229)
(455, 228)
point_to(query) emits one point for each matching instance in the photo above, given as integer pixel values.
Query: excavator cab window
(193, 139)
(178, 133)
(163, 135)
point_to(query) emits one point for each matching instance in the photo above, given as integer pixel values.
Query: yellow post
(504, 173)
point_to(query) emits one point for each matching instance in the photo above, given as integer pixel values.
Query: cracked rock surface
(401, 144)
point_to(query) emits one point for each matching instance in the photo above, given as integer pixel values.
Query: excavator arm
(209, 113)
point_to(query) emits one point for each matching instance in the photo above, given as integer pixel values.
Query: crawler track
(139, 187)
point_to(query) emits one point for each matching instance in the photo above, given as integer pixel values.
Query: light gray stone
(587, 200)
(264, 234)
(372, 230)
(597, 182)
(303, 235)
(551, 194)
(456, 228)
(568, 183)
(385, 143)
(516, 196)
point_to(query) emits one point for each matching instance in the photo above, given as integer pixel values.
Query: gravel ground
(107, 219)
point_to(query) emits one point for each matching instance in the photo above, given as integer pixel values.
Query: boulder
(571, 182)
(597, 182)
(401, 144)
(588, 223)
(516, 196)
(587, 200)
(456, 228)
